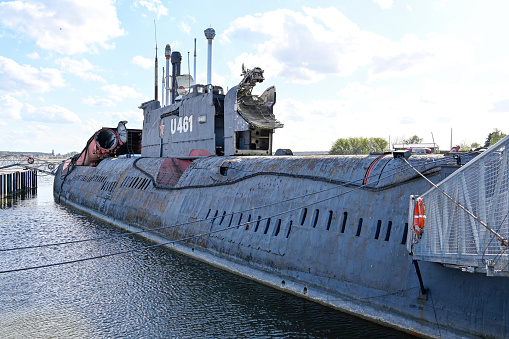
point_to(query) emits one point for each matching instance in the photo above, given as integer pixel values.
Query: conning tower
(202, 117)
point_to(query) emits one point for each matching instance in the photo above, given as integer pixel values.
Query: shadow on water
(149, 294)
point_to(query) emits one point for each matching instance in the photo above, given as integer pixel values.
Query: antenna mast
(188, 70)
(167, 54)
(162, 89)
(194, 77)
(210, 33)
(156, 70)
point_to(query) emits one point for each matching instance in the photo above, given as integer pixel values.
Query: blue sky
(373, 68)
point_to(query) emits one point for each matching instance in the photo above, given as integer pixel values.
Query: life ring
(51, 166)
(419, 217)
(30, 160)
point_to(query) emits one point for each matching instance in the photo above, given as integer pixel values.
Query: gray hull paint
(345, 266)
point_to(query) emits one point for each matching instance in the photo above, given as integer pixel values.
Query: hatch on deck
(257, 113)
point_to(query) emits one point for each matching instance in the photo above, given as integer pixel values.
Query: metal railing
(452, 236)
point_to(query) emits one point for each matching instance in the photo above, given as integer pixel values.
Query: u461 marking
(181, 124)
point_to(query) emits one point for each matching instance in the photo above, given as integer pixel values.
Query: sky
(374, 68)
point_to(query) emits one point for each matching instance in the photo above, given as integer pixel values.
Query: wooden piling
(16, 181)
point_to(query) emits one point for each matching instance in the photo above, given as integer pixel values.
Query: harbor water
(152, 293)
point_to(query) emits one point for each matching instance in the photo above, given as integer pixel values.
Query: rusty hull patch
(170, 171)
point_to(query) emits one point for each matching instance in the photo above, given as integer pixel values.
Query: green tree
(379, 145)
(464, 147)
(413, 140)
(494, 137)
(359, 145)
(340, 146)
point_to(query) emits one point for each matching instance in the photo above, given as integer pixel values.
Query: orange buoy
(419, 216)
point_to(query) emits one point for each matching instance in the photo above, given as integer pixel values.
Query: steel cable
(174, 241)
(188, 223)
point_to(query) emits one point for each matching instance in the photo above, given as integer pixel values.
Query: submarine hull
(332, 229)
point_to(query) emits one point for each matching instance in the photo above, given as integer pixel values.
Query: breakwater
(13, 181)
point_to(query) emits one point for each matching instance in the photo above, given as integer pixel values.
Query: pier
(13, 181)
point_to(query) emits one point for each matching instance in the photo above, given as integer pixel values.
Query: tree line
(362, 145)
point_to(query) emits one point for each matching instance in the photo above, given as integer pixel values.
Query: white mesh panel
(451, 236)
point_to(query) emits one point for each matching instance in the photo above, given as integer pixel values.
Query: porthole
(289, 229)
(378, 227)
(248, 222)
(388, 234)
(359, 228)
(215, 216)
(405, 233)
(303, 214)
(315, 217)
(343, 226)
(329, 220)
(277, 228)
(257, 223)
(240, 220)
(267, 225)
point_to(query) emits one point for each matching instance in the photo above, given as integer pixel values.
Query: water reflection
(148, 294)
(11, 200)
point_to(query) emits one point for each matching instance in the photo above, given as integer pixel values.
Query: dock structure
(16, 181)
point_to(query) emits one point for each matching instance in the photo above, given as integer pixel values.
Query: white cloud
(37, 136)
(111, 119)
(356, 92)
(155, 6)
(98, 102)
(439, 5)
(217, 79)
(371, 111)
(145, 63)
(49, 114)
(384, 4)
(175, 45)
(22, 79)
(10, 107)
(33, 55)
(500, 65)
(64, 26)
(80, 68)
(191, 18)
(306, 46)
(135, 118)
(320, 130)
(184, 27)
(115, 94)
(414, 56)
(119, 93)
